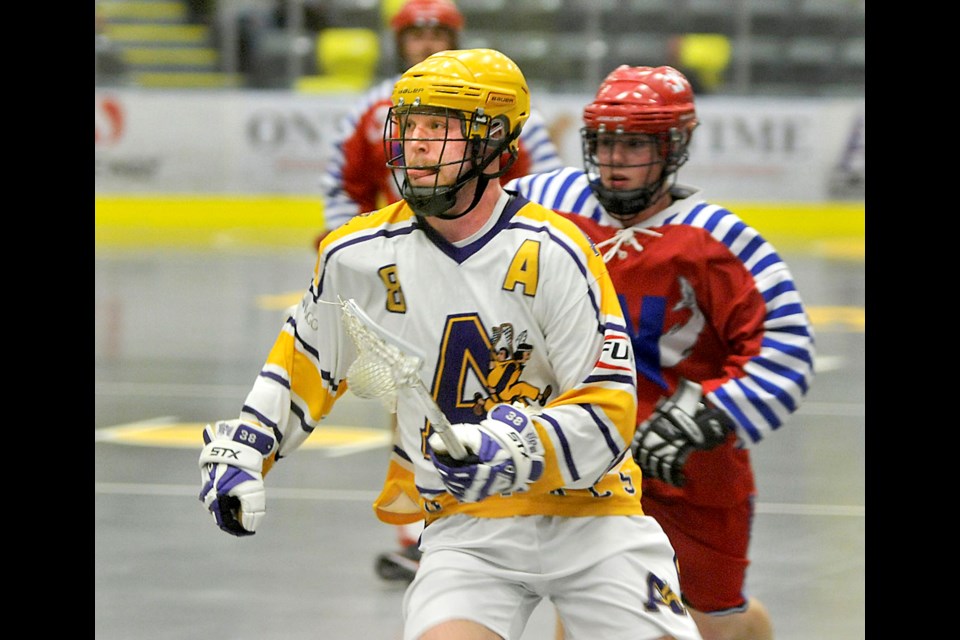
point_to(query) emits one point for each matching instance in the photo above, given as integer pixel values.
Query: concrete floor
(180, 337)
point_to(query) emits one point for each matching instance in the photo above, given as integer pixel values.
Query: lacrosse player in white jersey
(543, 501)
(356, 178)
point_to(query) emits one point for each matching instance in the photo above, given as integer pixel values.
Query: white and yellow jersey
(523, 311)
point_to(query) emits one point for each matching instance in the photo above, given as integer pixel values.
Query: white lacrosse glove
(230, 470)
(679, 425)
(504, 455)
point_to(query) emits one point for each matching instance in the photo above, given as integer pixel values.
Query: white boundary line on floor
(345, 495)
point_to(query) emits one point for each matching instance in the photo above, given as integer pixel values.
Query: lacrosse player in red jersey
(716, 322)
(527, 501)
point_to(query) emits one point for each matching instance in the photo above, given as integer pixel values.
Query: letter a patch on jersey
(524, 269)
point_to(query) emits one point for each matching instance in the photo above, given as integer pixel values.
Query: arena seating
(774, 47)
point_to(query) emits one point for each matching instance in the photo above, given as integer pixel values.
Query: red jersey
(692, 292)
(706, 298)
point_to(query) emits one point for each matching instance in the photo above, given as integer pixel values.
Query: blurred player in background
(546, 503)
(356, 178)
(716, 321)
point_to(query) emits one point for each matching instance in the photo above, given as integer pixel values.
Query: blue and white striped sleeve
(780, 375)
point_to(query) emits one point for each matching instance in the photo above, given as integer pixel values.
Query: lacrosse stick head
(384, 365)
(380, 368)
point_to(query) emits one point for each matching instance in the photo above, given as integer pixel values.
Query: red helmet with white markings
(652, 105)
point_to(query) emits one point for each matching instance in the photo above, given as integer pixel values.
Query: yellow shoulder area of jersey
(540, 213)
(396, 212)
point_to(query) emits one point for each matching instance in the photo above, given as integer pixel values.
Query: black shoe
(399, 565)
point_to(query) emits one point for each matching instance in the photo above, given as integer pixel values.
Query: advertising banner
(265, 142)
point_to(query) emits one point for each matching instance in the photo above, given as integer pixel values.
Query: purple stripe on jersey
(602, 428)
(262, 419)
(276, 378)
(301, 417)
(564, 446)
(621, 379)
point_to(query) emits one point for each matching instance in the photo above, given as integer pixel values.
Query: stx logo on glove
(521, 445)
(224, 452)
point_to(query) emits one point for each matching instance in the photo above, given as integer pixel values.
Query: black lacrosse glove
(680, 424)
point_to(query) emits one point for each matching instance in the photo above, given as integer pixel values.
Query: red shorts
(711, 545)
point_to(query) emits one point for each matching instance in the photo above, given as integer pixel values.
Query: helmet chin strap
(481, 186)
(438, 202)
(623, 205)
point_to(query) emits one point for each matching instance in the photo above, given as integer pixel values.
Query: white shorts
(609, 577)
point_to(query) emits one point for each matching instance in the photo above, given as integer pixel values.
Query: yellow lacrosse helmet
(484, 84)
(486, 93)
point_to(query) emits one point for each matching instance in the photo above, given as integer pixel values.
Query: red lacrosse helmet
(428, 13)
(642, 100)
(639, 102)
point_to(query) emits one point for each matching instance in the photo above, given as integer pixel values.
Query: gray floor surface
(180, 336)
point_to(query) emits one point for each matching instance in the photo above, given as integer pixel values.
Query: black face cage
(671, 152)
(479, 152)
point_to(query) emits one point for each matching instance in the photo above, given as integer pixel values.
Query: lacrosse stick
(382, 369)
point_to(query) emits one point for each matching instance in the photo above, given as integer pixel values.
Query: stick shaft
(439, 421)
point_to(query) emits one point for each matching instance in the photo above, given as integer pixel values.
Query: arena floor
(180, 336)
